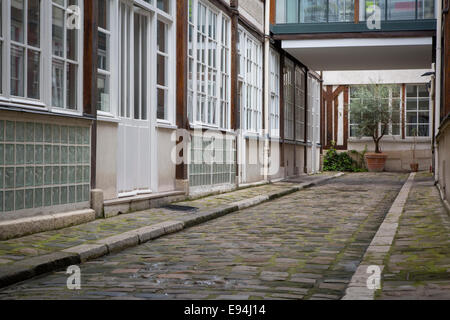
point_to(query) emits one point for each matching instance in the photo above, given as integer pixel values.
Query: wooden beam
(182, 74)
(356, 11)
(273, 10)
(329, 107)
(403, 112)
(346, 113)
(90, 78)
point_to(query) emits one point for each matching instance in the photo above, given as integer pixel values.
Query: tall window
(251, 68)
(209, 66)
(313, 110)
(395, 101)
(299, 104)
(274, 83)
(145, 71)
(25, 48)
(288, 74)
(103, 56)
(162, 81)
(417, 111)
(65, 56)
(43, 67)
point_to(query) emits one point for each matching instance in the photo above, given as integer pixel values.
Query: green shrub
(342, 161)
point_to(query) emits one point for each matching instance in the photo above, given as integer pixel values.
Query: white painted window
(289, 92)
(136, 60)
(40, 54)
(251, 73)
(395, 101)
(274, 107)
(209, 66)
(418, 117)
(313, 110)
(300, 101)
(104, 56)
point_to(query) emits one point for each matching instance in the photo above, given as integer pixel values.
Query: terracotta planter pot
(414, 167)
(376, 161)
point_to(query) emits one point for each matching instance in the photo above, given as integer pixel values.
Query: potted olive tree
(372, 117)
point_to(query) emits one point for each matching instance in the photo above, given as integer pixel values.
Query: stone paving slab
(306, 245)
(93, 239)
(418, 266)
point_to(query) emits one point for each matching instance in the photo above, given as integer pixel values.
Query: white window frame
(115, 55)
(313, 109)
(252, 84)
(289, 100)
(417, 111)
(274, 84)
(391, 99)
(44, 103)
(193, 89)
(111, 6)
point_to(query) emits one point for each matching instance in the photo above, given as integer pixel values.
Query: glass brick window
(251, 73)
(43, 165)
(212, 160)
(417, 111)
(300, 96)
(209, 66)
(104, 56)
(288, 75)
(274, 84)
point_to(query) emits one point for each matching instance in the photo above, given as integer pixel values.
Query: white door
(135, 127)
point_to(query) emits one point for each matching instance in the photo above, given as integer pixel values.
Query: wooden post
(182, 81)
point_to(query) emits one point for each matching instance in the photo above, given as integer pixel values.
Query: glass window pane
(17, 20)
(71, 97)
(102, 53)
(103, 21)
(17, 71)
(425, 9)
(33, 74)
(57, 83)
(163, 5)
(34, 15)
(401, 9)
(161, 70)
(103, 101)
(162, 37)
(58, 32)
(161, 111)
(72, 44)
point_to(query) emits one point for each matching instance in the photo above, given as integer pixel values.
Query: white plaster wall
(444, 161)
(379, 76)
(106, 174)
(253, 11)
(166, 168)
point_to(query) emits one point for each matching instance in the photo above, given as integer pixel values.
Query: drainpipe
(438, 82)
(266, 88)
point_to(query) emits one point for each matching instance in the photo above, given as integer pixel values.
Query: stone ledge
(22, 227)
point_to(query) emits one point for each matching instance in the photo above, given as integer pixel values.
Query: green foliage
(335, 161)
(371, 112)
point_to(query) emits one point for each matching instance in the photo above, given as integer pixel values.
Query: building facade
(411, 126)
(141, 102)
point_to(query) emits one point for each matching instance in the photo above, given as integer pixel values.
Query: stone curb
(29, 268)
(26, 226)
(380, 246)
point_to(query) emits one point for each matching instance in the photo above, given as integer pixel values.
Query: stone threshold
(379, 248)
(112, 208)
(32, 267)
(11, 229)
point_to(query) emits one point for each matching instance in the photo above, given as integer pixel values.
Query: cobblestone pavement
(419, 262)
(47, 242)
(303, 246)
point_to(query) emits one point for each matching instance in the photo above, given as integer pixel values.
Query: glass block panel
(29, 132)
(29, 198)
(20, 154)
(9, 201)
(38, 198)
(20, 131)
(20, 199)
(29, 177)
(10, 131)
